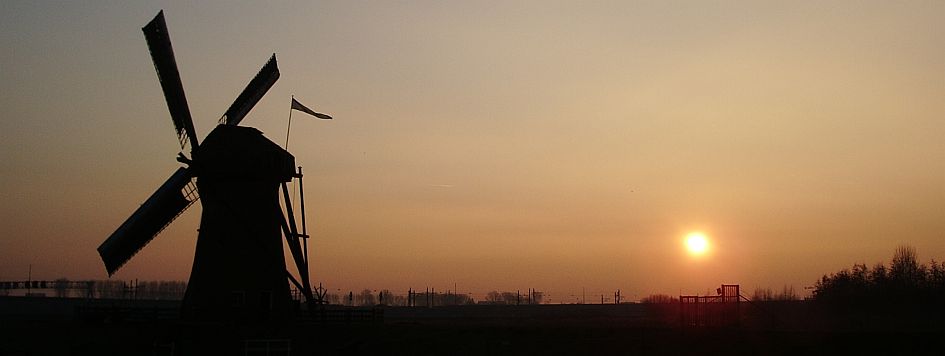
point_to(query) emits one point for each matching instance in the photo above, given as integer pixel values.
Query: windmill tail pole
(288, 127)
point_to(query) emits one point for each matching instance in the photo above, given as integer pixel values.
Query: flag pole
(288, 126)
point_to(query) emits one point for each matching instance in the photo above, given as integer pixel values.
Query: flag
(298, 106)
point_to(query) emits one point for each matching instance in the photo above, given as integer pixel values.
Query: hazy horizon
(495, 145)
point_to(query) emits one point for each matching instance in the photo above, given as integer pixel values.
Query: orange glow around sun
(697, 244)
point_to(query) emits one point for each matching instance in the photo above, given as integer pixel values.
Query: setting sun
(697, 243)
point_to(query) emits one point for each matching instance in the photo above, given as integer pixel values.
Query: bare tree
(391, 299)
(659, 298)
(936, 278)
(905, 268)
(761, 294)
(510, 298)
(787, 294)
(110, 289)
(61, 286)
(365, 298)
(88, 289)
(161, 290)
(494, 297)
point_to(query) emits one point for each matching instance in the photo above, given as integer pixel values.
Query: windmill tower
(239, 272)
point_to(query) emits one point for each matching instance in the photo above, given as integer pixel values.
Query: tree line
(367, 297)
(114, 289)
(905, 281)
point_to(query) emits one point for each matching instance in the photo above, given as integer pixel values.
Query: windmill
(239, 269)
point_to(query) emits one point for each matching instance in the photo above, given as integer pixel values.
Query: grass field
(50, 327)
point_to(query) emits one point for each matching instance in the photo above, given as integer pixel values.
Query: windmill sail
(254, 91)
(159, 43)
(169, 201)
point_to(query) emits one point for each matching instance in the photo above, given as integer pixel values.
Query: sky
(558, 145)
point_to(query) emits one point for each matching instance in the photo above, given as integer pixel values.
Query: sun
(697, 244)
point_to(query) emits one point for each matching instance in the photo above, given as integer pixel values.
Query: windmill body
(239, 270)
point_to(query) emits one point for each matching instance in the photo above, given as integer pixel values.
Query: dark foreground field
(52, 327)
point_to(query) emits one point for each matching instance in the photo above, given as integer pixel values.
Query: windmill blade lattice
(170, 200)
(159, 43)
(254, 91)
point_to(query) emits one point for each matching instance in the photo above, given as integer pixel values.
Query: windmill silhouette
(239, 271)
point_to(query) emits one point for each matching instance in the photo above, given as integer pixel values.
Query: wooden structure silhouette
(710, 311)
(239, 272)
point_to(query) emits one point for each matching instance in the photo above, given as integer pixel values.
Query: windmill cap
(242, 153)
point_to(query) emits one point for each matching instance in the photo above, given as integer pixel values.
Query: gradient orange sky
(499, 145)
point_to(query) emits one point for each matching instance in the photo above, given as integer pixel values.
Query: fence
(711, 311)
